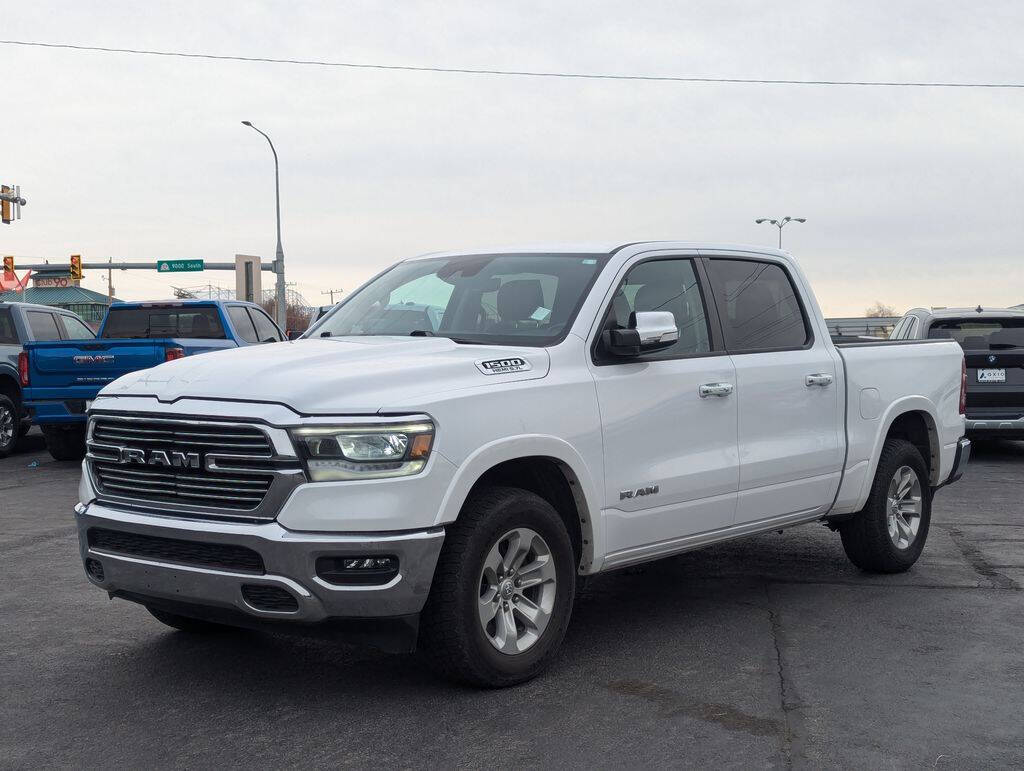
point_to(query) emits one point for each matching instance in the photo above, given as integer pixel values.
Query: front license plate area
(991, 375)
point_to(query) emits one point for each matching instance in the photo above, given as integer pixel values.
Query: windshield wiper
(422, 333)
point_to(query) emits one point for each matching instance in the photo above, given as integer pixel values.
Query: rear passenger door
(787, 391)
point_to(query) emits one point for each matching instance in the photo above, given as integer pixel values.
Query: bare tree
(298, 316)
(879, 310)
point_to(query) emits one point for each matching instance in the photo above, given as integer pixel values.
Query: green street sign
(179, 266)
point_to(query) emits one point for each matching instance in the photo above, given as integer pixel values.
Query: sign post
(180, 266)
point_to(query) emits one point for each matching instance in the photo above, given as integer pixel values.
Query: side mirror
(295, 334)
(648, 331)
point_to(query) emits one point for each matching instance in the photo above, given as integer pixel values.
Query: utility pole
(780, 224)
(282, 310)
(110, 281)
(331, 293)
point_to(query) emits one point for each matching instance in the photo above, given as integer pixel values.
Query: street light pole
(282, 310)
(780, 224)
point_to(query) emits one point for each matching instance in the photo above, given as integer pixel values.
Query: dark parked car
(993, 343)
(22, 323)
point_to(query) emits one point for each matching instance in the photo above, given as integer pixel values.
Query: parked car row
(60, 376)
(443, 455)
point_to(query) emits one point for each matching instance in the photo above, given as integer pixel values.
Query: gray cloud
(911, 196)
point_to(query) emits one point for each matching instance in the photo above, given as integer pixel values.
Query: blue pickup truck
(60, 378)
(22, 323)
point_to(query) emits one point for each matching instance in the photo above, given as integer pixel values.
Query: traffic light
(76, 267)
(5, 205)
(8, 265)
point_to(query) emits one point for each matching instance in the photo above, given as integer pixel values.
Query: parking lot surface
(768, 652)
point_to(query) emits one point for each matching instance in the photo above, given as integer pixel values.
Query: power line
(516, 73)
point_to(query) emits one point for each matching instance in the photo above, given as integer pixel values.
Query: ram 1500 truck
(439, 459)
(22, 323)
(61, 378)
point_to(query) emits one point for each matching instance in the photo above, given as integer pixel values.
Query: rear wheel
(503, 590)
(65, 443)
(8, 426)
(186, 623)
(888, 535)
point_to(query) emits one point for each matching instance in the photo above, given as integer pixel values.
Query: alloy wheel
(517, 591)
(903, 507)
(7, 426)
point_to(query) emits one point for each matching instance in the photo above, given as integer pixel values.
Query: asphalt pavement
(768, 652)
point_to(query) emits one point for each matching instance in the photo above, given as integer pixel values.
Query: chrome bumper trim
(993, 424)
(289, 558)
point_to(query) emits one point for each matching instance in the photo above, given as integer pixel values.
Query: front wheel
(503, 590)
(888, 535)
(65, 443)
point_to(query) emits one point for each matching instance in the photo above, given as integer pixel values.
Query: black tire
(451, 633)
(9, 416)
(65, 443)
(866, 537)
(186, 623)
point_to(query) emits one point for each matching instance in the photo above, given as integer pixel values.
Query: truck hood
(342, 375)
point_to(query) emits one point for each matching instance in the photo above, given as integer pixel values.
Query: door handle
(821, 379)
(714, 389)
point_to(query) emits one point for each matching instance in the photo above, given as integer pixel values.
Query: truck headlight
(368, 451)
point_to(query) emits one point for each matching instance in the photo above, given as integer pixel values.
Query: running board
(653, 551)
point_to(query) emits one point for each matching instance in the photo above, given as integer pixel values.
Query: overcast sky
(912, 196)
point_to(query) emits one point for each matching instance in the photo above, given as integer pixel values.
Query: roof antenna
(979, 309)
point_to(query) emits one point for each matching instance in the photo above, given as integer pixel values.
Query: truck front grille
(221, 490)
(199, 467)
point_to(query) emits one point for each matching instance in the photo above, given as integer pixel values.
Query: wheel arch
(545, 465)
(913, 419)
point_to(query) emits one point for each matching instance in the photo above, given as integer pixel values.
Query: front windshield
(500, 299)
(983, 334)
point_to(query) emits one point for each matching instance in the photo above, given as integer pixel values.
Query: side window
(265, 329)
(911, 333)
(758, 306)
(75, 329)
(8, 334)
(43, 326)
(664, 285)
(242, 323)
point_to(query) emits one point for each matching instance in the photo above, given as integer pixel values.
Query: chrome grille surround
(202, 468)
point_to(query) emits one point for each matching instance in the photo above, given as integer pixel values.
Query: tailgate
(995, 383)
(59, 365)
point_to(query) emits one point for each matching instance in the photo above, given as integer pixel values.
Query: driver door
(671, 459)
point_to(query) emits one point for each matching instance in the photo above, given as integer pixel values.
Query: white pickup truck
(441, 457)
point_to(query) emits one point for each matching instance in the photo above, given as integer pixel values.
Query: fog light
(363, 570)
(94, 568)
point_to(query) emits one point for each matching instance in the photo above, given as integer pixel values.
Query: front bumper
(288, 563)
